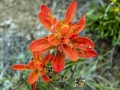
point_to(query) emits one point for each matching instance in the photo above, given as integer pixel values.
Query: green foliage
(104, 22)
(100, 86)
(83, 68)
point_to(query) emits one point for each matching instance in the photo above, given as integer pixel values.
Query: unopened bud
(116, 10)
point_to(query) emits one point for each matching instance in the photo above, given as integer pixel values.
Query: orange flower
(64, 37)
(37, 65)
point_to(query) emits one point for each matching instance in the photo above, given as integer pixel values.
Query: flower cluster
(64, 40)
(64, 37)
(37, 65)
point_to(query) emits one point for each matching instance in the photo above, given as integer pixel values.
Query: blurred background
(19, 25)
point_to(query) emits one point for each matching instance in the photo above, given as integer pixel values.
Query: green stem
(108, 9)
(15, 88)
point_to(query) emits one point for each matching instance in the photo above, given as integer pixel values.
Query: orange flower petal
(55, 27)
(53, 21)
(45, 78)
(70, 52)
(58, 62)
(33, 77)
(54, 39)
(45, 9)
(64, 30)
(39, 44)
(46, 17)
(79, 26)
(69, 15)
(45, 50)
(20, 67)
(38, 66)
(31, 65)
(65, 41)
(47, 59)
(87, 54)
(42, 72)
(37, 56)
(69, 34)
(74, 36)
(45, 20)
(83, 43)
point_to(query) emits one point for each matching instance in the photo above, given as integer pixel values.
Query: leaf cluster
(104, 22)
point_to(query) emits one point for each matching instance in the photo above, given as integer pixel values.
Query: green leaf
(70, 63)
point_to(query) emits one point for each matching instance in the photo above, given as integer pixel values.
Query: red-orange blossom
(37, 65)
(64, 37)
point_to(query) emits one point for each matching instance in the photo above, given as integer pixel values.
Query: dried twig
(19, 85)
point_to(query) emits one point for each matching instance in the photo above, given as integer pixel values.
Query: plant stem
(51, 86)
(107, 9)
(34, 86)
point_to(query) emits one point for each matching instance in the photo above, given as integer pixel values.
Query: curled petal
(83, 43)
(54, 39)
(70, 52)
(58, 62)
(79, 26)
(69, 15)
(33, 77)
(87, 54)
(45, 78)
(20, 67)
(39, 44)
